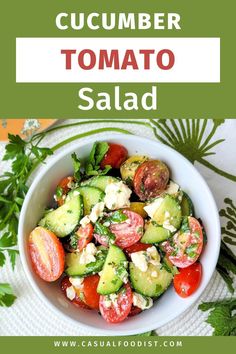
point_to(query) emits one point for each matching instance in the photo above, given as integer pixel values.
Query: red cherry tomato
(127, 233)
(115, 156)
(135, 310)
(91, 297)
(150, 179)
(185, 247)
(85, 235)
(46, 253)
(187, 281)
(130, 231)
(118, 312)
(63, 187)
(65, 283)
(136, 247)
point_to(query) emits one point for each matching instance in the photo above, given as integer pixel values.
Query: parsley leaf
(92, 166)
(6, 295)
(221, 317)
(117, 216)
(25, 155)
(77, 166)
(102, 230)
(74, 241)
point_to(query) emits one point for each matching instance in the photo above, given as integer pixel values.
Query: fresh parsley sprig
(92, 166)
(13, 189)
(6, 295)
(222, 316)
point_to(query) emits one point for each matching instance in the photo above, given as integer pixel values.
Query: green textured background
(202, 18)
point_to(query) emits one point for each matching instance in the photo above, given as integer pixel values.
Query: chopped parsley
(102, 230)
(117, 217)
(92, 166)
(59, 192)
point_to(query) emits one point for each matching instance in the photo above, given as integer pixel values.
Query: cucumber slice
(148, 285)
(155, 233)
(91, 196)
(170, 207)
(99, 182)
(74, 268)
(63, 220)
(169, 266)
(187, 205)
(109, 282)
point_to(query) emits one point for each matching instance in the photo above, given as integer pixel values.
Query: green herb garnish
(222, 317)
(118, 216)
(102, 230)
(77, 167)
(6, 295)
(92, 166)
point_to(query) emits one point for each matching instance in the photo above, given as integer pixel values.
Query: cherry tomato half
(85, 235)
(115, 156)
(130, 231)
(65, 283)
(46, 253)
(90, 295)
(127, 233)
(150, 179)
(63, 187)
(185, 247)
(187, 281)
(136, 247)
(118, 312)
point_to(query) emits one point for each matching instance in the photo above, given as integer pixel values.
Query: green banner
(208, 19)
(180, 345)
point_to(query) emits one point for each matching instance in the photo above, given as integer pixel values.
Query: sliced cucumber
(186, 205)
(169, 266)
(155, 233)
(100, 182)
(146, 283)
(64, 219)
(109, 282)
(91, 196)
(74, 268)
(168, 209)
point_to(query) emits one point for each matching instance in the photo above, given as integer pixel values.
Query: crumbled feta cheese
(107, 223)
(107, 302)
(85, 221)
(97, 211)
(117, 195)
(111, 300)
(141, 301)
(88, 254)
(70, 292)
(153, 256)
(76, 282)
(172, 188)
(140, 261)
(167, 225)
(152, 207)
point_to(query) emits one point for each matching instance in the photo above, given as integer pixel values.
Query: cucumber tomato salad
(119, 232)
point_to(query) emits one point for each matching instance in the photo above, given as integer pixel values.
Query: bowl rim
(44, 169)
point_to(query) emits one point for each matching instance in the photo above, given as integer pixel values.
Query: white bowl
(170, 304)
